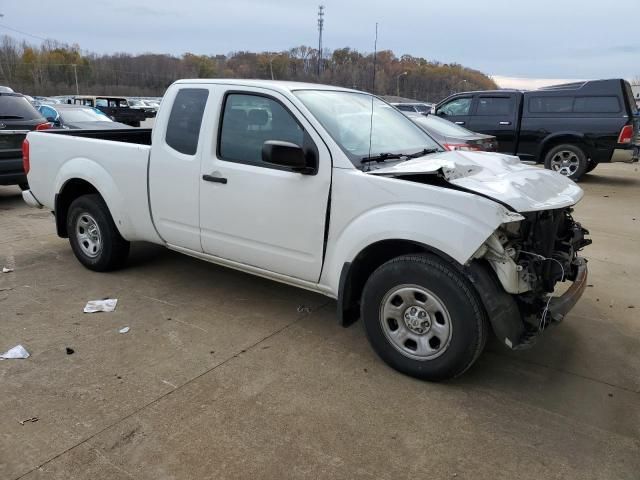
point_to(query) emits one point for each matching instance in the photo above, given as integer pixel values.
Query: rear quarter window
(183, 128)
(13, 107)
(596, 105)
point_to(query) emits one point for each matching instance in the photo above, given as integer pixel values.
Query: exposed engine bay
(532, 255)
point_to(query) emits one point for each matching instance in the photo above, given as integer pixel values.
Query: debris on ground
(124, 330)
(32, 420)
(70, 351)
(6, 289)
(304, 309)
(7, 270)
(106, 305)
(16, 352)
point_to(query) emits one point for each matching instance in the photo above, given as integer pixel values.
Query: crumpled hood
(525, 188)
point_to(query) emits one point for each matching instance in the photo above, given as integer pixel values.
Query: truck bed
(114, 160)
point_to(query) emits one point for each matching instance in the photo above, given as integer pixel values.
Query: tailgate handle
(505, 123)
(211, 178)
(459, 122)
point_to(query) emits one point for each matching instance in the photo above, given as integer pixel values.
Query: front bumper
(560, 306)
(30, 199)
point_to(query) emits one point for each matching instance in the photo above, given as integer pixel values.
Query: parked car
(17, 117)
(423, 108)
(330, 190)
(570, 128)
(78, 116)
(117, 108)
(139, 104)
(454, 137)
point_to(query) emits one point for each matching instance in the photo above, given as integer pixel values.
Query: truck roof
(280, 85)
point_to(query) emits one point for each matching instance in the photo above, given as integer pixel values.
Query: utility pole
(75, 74)
(320, 28)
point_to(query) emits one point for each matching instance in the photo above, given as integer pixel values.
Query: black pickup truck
(116, 108)
(570, 128)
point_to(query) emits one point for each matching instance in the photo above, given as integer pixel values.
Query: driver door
(258, 214)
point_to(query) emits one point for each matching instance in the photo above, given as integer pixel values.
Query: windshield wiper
(394, 156)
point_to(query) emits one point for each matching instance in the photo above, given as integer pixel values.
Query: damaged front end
(529, 258)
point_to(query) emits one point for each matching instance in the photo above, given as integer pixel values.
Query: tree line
(52, 68)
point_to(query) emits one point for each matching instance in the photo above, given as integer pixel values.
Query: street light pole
(398, 82)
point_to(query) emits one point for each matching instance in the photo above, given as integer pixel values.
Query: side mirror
(286, 154)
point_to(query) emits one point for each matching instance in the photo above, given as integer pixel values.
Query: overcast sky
(545, 39)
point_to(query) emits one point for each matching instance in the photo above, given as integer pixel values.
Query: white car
(334, 191)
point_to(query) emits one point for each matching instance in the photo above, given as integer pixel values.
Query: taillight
(462, 146)
(43, 126)
(25, 156)
(626, 134)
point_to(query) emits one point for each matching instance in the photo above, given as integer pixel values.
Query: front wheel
(423, 318)
(94, 238)
(568, 160)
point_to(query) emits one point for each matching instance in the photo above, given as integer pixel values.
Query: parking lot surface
(225, 375)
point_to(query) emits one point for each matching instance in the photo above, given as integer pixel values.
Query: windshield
(82, 115)
(442, 126)
(347, 116)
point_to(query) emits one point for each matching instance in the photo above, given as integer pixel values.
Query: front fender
(449, 231)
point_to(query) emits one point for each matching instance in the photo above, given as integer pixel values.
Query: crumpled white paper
(108, 305)
(16, 352)
(124, 330)
(7, 270)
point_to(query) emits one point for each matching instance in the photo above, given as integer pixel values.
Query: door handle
(211, 178)
(505, 123)
(459, 123)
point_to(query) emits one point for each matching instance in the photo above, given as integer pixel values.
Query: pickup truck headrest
(258, 117)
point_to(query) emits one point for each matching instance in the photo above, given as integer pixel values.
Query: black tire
(111, 251)
(591, 165)
(468, 326)
(574, 156)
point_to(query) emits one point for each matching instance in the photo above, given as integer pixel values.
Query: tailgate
(11, 144)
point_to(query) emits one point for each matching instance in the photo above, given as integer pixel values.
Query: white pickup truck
(335, 191)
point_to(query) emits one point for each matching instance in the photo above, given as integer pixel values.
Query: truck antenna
(373, 87)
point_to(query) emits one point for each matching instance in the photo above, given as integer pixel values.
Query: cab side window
(495, 106)
(458, 106)
(250, 120)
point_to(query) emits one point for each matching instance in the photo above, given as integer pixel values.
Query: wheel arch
(572, 138)
(354, 274)
(72, 189)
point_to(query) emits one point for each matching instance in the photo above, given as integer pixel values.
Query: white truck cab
(335, 191)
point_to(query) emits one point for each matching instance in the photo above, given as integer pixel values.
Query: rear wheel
(423, 318)
(94, 238)
(568, 160)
